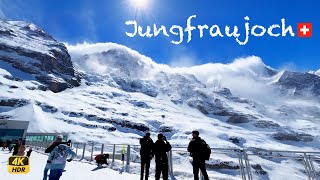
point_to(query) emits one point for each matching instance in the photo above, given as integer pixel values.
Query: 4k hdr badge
(304, 29)
(18, 165)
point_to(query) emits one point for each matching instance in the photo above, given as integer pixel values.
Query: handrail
(243, 155)
(223, 149)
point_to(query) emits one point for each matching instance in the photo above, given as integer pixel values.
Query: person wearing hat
(160, 149)
(146, 153)
(195, 148)
(53, 144)
(57, 159)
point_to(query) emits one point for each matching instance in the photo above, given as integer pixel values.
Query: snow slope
(74, 170)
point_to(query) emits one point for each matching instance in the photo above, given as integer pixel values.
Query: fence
(224, 163)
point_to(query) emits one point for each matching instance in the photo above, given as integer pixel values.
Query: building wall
(48, 137)
(13, 128)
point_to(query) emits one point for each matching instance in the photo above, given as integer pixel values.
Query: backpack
(60, 156)
(206, 150)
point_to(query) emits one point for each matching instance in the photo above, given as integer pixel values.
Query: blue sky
(104, 21)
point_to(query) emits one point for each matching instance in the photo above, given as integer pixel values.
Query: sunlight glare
(139, 4)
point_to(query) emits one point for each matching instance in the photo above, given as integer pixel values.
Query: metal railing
(246, 164)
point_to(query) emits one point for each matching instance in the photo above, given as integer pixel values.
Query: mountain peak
(30, 49)
(315, 72)
(103, 58)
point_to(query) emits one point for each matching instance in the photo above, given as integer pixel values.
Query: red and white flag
(304, 30)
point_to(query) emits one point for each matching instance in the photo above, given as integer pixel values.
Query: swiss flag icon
(304, 30)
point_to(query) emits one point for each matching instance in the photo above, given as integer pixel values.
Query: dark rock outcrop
(14, 102)
(293, 136)
(165, 129)
(299, 84)
(266, 124)
(222, 165)
(140, 104)
(258, 169)
(47, 108)
(38, 54)
(2, 117)
(236, 119)
(12, 78)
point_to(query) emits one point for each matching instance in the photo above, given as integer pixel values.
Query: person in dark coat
(195, 148)
(16, 148)
(8, 143)
(146, 154)
(160, 149)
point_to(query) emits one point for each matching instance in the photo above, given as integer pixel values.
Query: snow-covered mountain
(110, 93)
(315, 72)
(30, 49)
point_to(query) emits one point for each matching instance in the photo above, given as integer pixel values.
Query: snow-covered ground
(74, 170)
(262, 168)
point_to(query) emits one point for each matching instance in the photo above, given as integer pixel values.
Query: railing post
(102, 148)
(92, 147)
(77, 149)
(128, 155)
(241, 166)
(246, 160)
(84, 149)
(113, 153)
(171, 164)
(308, 168)
(312, 167)
(128, 158)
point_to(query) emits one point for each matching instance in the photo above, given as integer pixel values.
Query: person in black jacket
(161, 147)
(195, 148)
(146, 154)
(16, 148)
(8, 143)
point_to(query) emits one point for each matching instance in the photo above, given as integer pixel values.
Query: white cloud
(183, 61)
(96, 64)
(84, 48)
(289, 66)
(182, 57)
(93, 64)
(245, 77)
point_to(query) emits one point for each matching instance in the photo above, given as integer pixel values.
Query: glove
(68, 143)
(69, 160)
(48, 161)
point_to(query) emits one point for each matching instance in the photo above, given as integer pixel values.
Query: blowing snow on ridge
(109, 93)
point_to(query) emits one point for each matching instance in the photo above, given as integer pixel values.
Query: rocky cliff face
(300, 84)
(31, 50)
